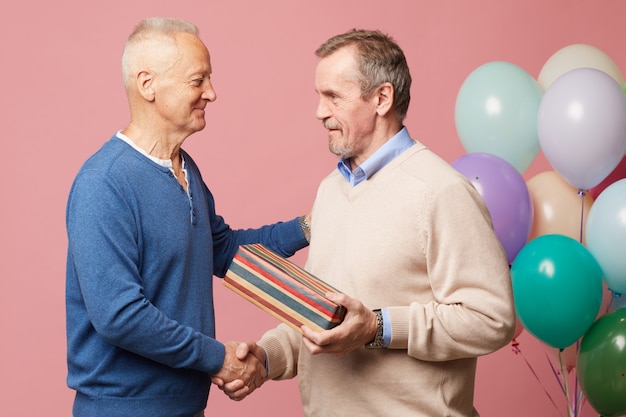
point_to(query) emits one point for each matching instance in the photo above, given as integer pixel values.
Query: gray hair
(145, 33)
(380, 59)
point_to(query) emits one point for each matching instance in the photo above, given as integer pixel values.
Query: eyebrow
(327, 92)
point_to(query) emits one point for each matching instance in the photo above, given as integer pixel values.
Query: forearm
(284, 238)
(282, 345)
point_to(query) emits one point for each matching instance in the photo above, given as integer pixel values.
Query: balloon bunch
(564, 231)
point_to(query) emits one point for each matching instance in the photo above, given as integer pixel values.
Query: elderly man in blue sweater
(144, 242)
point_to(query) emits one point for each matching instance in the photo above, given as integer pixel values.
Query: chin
(200, 125)
(343, 153)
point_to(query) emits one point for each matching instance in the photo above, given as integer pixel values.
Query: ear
(385, 98)
(146, 84)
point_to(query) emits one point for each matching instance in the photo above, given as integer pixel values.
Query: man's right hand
(243, 370)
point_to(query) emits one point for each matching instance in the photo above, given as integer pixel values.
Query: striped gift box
(282, 288)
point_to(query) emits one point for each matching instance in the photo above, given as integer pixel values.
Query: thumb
(242, 350)
(218, 381)
(338, 298)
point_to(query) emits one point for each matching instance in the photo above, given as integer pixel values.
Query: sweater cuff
(294, 238)
(399, 317)
(215, 357)
(274, 359)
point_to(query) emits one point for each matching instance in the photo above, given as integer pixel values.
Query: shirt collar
(167, 163)
(399, 143)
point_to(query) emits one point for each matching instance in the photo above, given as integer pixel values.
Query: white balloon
(574, 56)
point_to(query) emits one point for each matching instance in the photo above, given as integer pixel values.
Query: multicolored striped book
(282, 288)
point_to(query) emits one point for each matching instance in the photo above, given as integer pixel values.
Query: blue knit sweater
(139, 297)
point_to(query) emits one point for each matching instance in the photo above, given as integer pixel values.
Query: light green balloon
(496, 112)
(606, 234)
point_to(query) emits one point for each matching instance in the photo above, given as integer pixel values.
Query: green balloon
(557, 287)
(601, 365)
(496, 112)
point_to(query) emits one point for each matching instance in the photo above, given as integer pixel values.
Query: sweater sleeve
(284, 238)
(282, 345)
(472, 312)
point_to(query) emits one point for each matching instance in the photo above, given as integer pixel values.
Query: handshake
(243, 370)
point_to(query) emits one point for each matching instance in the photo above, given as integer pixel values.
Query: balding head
(151, 46)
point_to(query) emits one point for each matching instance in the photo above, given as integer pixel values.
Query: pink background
(262, 153)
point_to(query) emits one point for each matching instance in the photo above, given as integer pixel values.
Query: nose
(321, 112)
(209, 92)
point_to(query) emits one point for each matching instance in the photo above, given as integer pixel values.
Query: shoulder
(104, 159)
(109, 168)
(422, 165)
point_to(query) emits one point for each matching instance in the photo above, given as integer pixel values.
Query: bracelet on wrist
(378, 341)
(306, 229)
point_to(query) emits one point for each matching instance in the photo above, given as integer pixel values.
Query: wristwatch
(378, 341)
(306, 229)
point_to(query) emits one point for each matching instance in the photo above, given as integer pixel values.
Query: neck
(380, 136)
(155, 143)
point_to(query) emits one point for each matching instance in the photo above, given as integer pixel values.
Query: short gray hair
(380, 60)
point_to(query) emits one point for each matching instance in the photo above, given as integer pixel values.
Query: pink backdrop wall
(262, 153)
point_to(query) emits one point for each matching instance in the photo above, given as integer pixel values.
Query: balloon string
(577, 392)
(518, 351)
(578, 389)
(556, 374)
(581, 194)
(572, 410)
(581, 402)
(578, 399)
(571, 407)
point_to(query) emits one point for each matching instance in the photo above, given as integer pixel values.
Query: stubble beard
(338, 147)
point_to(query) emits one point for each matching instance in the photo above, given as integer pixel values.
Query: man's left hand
(357, 329)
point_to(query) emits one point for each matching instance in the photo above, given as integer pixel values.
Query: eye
(197, 82)
(331, 96)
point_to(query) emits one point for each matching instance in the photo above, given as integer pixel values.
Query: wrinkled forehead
(192, 51)
(341, 66)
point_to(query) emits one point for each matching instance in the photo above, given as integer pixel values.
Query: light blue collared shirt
(399, 143)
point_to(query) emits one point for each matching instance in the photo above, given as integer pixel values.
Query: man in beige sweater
(409, 243)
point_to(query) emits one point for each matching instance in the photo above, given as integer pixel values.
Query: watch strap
(378, 341)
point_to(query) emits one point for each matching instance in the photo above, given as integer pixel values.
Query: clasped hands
(357, 329)
(243, 370)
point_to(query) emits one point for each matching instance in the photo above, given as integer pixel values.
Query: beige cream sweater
(415, 238)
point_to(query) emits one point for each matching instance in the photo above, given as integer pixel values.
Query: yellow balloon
(575, 56)
(557, 206)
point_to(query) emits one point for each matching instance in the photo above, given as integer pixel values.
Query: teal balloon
(557, 287)
(601, 364)
(496, 112)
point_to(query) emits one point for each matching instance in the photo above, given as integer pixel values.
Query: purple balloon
(505, 194)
